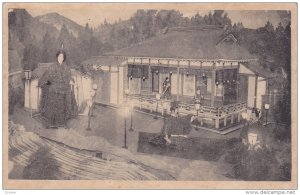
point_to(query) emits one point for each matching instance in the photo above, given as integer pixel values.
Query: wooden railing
(214, 117)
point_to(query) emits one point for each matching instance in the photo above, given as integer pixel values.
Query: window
(155, 82)
(135, 85)
(219, 90)
(189, 85)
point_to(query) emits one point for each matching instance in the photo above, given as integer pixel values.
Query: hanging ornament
(203, 76)
(144, 78)
(187, 73)
(171, 73)
(130, 77)
(156, 72)
(217, 83)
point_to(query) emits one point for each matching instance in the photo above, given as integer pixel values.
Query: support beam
(177, 96)
(118, 86)
(255, 91)
(150, 77)
(213, 87)
(182, 78)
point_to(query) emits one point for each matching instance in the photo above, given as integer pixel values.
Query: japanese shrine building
(199, 60)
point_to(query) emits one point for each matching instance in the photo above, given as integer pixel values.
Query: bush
(251, 165)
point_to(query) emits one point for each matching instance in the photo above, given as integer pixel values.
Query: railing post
(225, 121)
(217, 123)
(232, 115)
(239, 117)
(201, 121)
(140, 103)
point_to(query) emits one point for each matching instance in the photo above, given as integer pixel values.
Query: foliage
(252, 165)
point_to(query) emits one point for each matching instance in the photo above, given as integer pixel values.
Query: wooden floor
(74, 164)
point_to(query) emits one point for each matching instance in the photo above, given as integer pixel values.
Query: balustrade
(217, 116)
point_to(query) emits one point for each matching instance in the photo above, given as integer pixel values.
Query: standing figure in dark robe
(58, 102)
(166, 89)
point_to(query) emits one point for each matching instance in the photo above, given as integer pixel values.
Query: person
(167, 89)
(58, 102)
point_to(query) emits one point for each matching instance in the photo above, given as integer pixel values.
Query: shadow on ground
(195, 148)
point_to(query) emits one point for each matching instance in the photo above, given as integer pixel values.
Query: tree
(48, 48)
(283, 110)
(31, 57)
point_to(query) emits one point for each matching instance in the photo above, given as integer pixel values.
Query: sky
(96, 14)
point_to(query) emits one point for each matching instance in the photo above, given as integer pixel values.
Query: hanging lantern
(156, 72)
(217, 83)
(187, 73)
(203, 76)
(171, 73)
(144, 78)
(130, 77)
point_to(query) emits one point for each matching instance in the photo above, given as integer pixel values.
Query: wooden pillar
(118, 85)
(150, 77)
(213, 86)
(237, 82)
(38, 98)
(140, 81)
(177, 96)
(255, 91)
(223, 84)
(182, 78)
(217, 123)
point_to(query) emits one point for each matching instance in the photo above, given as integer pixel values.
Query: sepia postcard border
(100, 184)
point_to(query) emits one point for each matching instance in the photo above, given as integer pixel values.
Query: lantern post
(126, 113)
(267, 107)
(157, 97)
(95, 87)
(27, 74)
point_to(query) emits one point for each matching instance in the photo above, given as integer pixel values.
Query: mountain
(57, 21)
(20, 19)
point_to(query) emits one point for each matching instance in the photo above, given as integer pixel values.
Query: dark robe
(58, 102)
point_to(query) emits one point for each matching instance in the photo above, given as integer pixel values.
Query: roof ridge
(195, 28)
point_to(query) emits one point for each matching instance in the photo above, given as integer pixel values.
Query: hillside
(57, 21)
(20, 19)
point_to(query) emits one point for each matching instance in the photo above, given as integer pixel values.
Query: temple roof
(103, 61)
(188, 43)
(259, 70)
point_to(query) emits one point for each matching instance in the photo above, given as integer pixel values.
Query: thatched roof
(259, 70)
(188, 43)
(103, 61)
